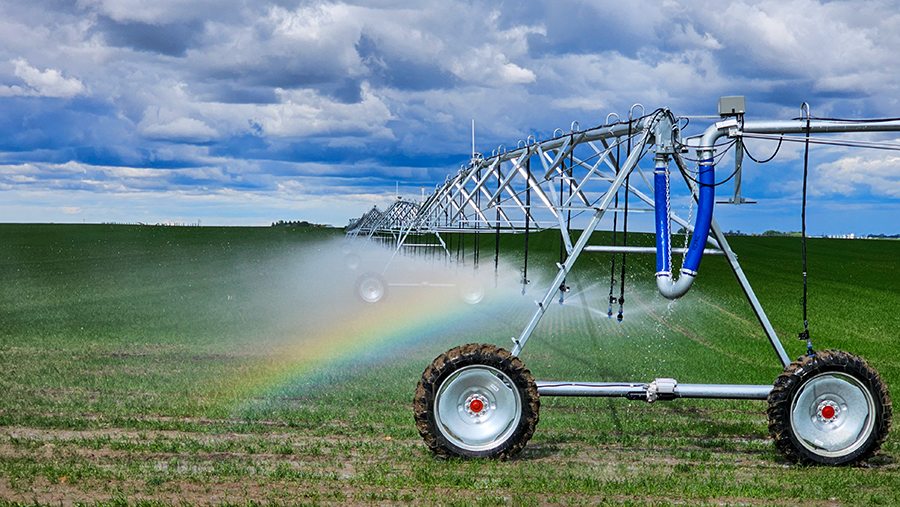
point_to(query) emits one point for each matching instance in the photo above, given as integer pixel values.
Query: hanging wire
(624, 244)
(777, 149)
(845, 120)
(687, 174)
(620, 316)
(525, 280)
(476, 249)
(497, 238)
(728, 145)
(612, 270)
(563, 289)
(805, 334)
(461, 248)
(684, 147)
(829, 142)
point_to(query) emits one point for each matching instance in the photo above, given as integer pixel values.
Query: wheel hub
(478, 408)
(477, 405)
(829, 412)
(833, 414)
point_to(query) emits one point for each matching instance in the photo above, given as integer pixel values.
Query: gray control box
(732, 106)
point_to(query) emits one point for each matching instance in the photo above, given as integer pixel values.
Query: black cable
(569, 212)
(525, 281)
(571, 190)
(688, 176)
(847, 144)
(682, 147)
(849, 120)
(449, 247)
(805, 334)
(625, 244)
(562, 243)
(460, 245)
(728, 145)
(620, 316)
(777, 148)
(497, 239)
(476, 250)
(612, 270)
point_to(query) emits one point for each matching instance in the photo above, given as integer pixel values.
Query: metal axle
(661, 389)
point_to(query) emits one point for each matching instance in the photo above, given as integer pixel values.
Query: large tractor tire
(476, 401)
(831, 408)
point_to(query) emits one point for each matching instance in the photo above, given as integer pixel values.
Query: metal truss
(552, 184)
(571, 182)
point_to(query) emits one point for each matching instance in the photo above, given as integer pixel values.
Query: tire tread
(459, 357)
(793, 377)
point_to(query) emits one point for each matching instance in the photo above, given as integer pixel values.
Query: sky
(235, 112)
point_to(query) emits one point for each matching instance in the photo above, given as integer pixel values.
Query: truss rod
(643, 250)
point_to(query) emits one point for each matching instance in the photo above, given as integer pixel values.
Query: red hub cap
(827, 411)
(476, 406)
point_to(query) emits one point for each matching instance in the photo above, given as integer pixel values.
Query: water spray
(479, 400)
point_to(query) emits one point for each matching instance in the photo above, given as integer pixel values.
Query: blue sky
(242, 113)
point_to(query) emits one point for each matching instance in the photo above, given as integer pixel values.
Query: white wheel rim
(473, 293)
(833, 414)
(371, 290)
(477, 408)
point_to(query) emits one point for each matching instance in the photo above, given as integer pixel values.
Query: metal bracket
(665, 134)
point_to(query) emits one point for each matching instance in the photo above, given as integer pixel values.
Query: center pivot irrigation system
(478, 400)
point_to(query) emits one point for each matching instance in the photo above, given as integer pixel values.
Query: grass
(232, 366)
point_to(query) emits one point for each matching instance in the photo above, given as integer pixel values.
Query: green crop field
(234, 366)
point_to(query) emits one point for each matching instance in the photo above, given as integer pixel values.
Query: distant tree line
(304, 223)
(884, 236)
(780, 233)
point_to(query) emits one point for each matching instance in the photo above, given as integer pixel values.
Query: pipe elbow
(674, 289)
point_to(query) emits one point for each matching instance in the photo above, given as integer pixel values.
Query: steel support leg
(748, 292)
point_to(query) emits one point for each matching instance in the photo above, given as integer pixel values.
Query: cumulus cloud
(47, 83)
(306, 113)
(485, 67)
(828, 43)
(872, 172)
(261, 97)
(158, 124)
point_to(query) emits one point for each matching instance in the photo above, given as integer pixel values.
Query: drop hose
(668, 287)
